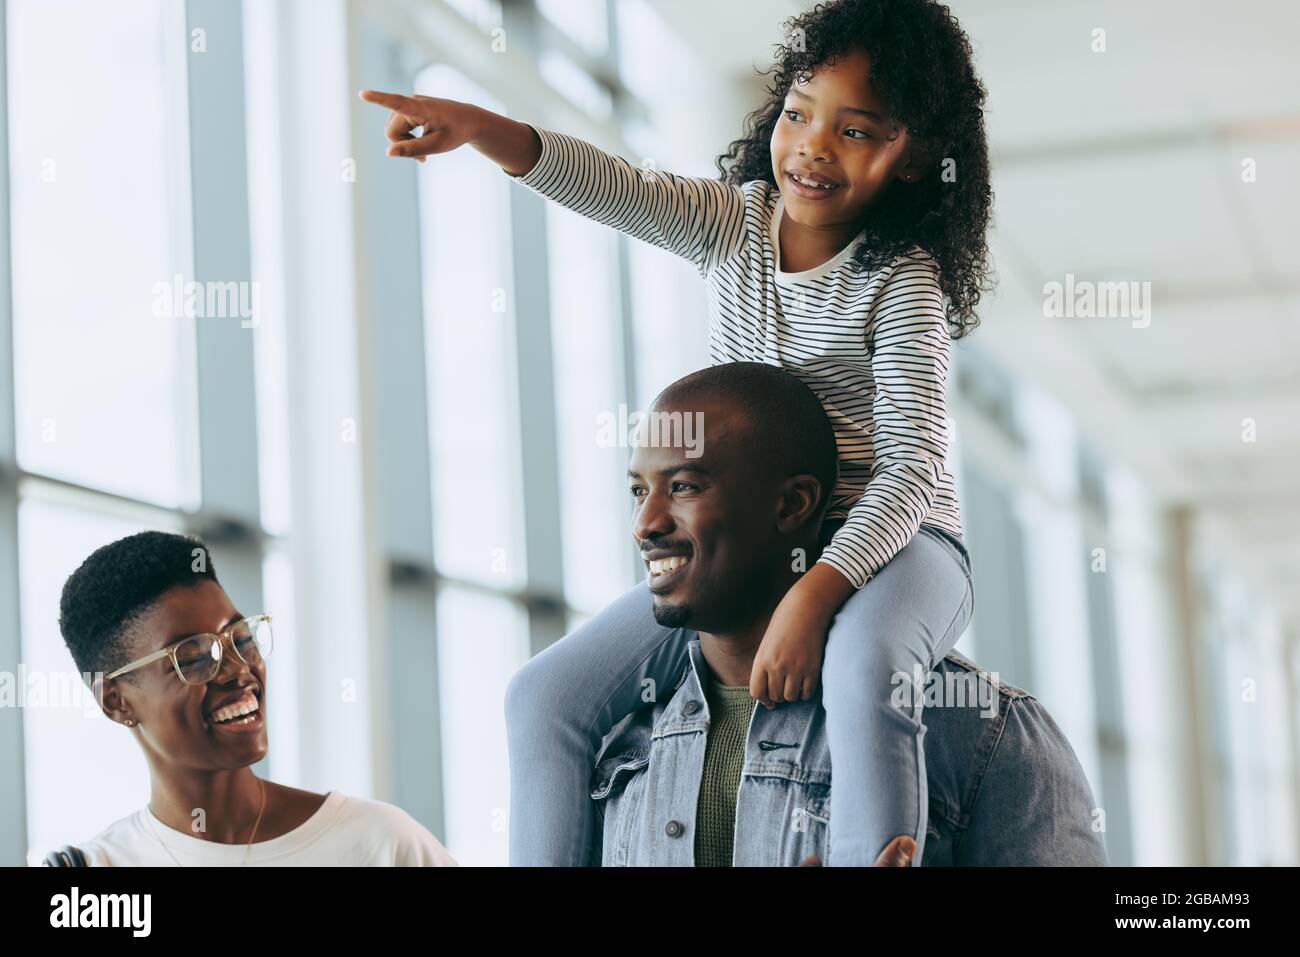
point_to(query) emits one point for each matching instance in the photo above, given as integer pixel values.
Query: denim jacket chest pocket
(802, 804)
(784, 804)
(797, 801)
(616, 789)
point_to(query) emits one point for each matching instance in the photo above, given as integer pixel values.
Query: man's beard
(716, 610)
(672, 616)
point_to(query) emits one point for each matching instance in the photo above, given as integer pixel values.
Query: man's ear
(108, 693)
(800, 497)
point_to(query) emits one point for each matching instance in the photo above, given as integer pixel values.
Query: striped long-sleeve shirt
(874, 346)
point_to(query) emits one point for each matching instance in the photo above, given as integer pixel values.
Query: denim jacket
(1005, 787)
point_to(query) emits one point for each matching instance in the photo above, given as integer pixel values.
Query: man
(705, 775)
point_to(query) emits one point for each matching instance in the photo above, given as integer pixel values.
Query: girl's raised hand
(443, 125)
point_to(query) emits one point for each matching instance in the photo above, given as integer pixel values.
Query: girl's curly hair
(921, 67)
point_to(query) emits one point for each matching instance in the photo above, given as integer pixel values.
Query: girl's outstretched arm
(697, 218)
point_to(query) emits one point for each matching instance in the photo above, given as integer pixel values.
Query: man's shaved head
(788, 428)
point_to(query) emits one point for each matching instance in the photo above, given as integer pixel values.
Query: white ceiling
(1126, 165)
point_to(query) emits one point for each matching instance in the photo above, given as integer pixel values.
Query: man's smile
(667, 569)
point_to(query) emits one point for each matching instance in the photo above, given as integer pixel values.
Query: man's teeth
(661, 566)
(808, 182)
(238, 709)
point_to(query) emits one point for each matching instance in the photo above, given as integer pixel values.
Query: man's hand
(788, 663)
(444, 125)
(897, 853)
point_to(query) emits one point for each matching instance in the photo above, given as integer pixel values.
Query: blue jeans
(563, 702)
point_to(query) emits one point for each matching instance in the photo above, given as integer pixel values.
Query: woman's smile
(241, 713)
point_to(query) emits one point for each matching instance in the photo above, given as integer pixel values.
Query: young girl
(856, 202)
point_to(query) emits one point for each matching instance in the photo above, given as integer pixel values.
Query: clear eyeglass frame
(196, 659)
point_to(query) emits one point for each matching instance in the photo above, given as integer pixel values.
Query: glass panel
(266, 227)
(282, 728)
(97, 338)
(485, 14)
(575, 85)
(69, 744)
(585, 21)
(482, 641)
(643, 40)
(670, 319)
(585, 320)
(464, 209)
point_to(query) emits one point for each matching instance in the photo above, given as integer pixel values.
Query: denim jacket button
(692, 707)
(674, 829)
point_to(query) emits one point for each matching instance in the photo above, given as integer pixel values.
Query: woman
(185, 671)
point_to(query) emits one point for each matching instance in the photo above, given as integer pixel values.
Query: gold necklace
(247, 850)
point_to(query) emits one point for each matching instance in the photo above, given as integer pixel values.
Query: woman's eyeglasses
(197, 659)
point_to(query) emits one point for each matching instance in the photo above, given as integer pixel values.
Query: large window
(103, 394)
(71, 748)
(586, 329)
(476, 473)
(103, 379)
(112, 431)
(471, 362)
(482, 641)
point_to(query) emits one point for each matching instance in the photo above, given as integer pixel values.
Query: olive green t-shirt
(730, 711)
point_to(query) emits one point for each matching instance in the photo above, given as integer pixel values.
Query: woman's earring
(129, 723)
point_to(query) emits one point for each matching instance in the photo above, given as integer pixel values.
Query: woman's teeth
(661, 566)
(243, 710)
